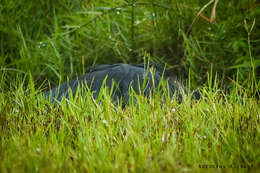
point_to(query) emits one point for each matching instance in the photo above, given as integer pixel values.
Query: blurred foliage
(56, 39)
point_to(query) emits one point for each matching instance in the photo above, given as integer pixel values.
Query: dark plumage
(124, 77)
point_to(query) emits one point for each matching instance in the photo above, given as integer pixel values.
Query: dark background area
(56, 40)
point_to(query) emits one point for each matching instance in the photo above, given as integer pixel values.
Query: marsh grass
(148, 135)
(45, 43)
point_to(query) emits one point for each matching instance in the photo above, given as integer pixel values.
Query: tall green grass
(51, 41)
(220, 132)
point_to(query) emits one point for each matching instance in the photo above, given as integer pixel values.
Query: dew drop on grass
(104, 121)
(41, 45)
(137, 22)
(163, 138)
(38, 150)
(118, 10)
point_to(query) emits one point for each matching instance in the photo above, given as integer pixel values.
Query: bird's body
(144, 79)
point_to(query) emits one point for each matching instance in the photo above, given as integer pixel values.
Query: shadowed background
(56, 40)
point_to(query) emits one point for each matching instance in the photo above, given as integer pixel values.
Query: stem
(133, 27)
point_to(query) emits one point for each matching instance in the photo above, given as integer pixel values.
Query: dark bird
(144, 79)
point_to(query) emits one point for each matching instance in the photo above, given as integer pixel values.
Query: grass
(220, 130)
(51, 41)
(56, 40)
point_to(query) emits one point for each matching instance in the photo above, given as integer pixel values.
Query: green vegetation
(149, 136)
(50, 41)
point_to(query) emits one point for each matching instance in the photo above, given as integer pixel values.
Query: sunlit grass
(148, 135)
